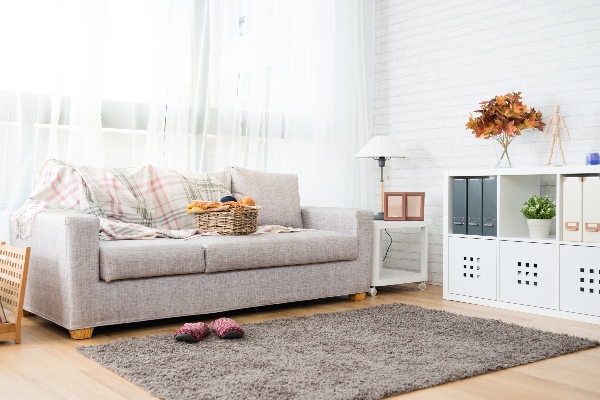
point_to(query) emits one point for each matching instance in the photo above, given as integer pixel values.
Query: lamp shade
(381, 146)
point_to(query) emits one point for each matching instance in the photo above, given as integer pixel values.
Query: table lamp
(381, 148)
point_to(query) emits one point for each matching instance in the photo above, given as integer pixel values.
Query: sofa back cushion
(277, 194)
(222, 177)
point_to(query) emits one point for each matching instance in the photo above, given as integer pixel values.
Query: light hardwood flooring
(47, 366)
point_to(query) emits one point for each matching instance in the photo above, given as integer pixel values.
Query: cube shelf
(513, 271)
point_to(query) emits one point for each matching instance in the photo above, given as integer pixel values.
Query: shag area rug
(368, 353)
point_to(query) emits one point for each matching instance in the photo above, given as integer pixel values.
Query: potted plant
(502, 119)
(539, 211)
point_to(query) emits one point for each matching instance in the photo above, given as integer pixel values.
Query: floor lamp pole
(381, 165)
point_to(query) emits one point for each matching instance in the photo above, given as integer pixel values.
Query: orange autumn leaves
(504, 115)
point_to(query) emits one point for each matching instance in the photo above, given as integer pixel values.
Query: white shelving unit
(551, 277)
(384, 276)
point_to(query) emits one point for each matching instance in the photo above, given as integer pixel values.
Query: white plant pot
(539, 228)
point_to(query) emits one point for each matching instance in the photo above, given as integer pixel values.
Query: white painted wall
(436, 60)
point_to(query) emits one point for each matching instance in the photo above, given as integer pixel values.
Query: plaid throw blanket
(131, 203)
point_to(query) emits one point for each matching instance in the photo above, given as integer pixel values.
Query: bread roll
(247, 201)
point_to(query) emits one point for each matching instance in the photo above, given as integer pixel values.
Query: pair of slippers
(225, 328)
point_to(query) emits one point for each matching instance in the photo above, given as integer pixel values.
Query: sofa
(80, 282)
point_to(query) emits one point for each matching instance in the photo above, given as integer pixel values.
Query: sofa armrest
(63, 264)
(346, 220)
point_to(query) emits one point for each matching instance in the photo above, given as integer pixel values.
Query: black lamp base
(378, 216)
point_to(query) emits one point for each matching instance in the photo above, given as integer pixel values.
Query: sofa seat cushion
(127, 259)
(228, 253)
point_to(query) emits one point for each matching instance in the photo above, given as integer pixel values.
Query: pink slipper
(226, 328)
(192, 332)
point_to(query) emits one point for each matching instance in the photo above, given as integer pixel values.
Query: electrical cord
(391, 241)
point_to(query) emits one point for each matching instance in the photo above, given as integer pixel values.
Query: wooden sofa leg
(85, 333)
(357, 296)
(26, 313)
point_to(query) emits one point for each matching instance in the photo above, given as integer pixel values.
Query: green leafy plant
(538, 207)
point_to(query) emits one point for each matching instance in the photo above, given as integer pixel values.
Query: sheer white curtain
(90, 82)
(287, 92)
(50, 91)
(173, 112)
(272, 85)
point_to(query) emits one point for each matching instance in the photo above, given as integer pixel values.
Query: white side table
(382, 276)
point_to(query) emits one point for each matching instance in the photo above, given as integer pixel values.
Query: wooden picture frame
(394, 206)
(404, 206)
(415, 206)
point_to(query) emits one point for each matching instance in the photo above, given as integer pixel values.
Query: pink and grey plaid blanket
(131, 203)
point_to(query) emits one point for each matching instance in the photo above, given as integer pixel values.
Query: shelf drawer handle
(488, 221)
(459, 220)
(592, 227)
(474, 222)
(572, 226)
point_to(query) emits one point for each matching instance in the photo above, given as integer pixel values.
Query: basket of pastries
(227, 217)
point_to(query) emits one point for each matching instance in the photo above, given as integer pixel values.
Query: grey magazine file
(459, 206)
(490, 223)
(474, 206)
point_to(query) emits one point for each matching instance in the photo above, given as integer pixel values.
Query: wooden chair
(14, 262)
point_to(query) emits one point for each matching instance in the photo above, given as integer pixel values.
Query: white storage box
(591, 209)
(580, 279)
(472, 267)
(529, 273)
(572, 203)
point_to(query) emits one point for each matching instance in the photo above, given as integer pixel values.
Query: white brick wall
(436, 60)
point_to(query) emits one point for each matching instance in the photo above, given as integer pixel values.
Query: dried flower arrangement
(502, 118)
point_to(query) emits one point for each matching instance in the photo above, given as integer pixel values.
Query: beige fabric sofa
(80, 282)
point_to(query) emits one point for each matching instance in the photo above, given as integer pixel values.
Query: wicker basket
(237, 221)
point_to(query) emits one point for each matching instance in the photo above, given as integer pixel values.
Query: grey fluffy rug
(368, 353)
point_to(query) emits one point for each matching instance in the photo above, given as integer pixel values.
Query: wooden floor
(47, 366)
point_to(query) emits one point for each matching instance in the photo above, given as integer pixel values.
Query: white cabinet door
(580, 279)
(529, 273)
(472, 267)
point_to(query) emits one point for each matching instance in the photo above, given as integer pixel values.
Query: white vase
(539, 228)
